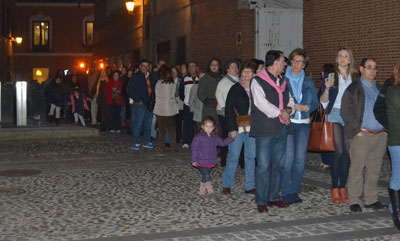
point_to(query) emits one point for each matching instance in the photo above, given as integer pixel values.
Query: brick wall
(214, 32)
(369, 28)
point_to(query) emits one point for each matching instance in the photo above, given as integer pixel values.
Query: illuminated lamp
(130, 5)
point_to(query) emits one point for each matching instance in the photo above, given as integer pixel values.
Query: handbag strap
(321, 114)
(236, 112)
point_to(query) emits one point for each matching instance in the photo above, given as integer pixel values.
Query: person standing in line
(223, 87)
(304, 95)
(271, 107)
(207, 87)
(331, 100)
(367, 138)
(179, 116)
(166, 107)
(56, 94)
(102, 101)
(393, 117)
(184, 93)
(139, 89)
(115, 101)
(238, 104)
(204, 153)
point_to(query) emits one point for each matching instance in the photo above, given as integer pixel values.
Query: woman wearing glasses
(332, 93)
(303, 91)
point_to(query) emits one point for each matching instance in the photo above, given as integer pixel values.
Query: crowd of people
(255, 111)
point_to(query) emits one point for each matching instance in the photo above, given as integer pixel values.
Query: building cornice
(51, 54)
(54, 4)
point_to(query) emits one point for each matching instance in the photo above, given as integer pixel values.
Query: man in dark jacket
(139, 90)
(270, 112)
(367, 138)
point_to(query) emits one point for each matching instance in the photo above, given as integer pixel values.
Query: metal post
(21, 98)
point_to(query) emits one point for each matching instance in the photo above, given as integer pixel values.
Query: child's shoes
(209, 188)
(202, 191)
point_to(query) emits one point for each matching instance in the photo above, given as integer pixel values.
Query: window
(40, 35)
(40, 74)
(89, 34)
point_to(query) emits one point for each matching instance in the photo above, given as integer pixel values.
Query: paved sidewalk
(98, 189)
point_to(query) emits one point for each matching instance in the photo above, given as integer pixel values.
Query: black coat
(237, 98)
(56, 94)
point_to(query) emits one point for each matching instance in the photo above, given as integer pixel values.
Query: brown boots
(339, 195)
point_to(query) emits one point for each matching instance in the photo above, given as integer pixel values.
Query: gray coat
(206, 93)
(166, 104)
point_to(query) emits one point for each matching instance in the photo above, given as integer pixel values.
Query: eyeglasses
(369, 67)
(296, 61)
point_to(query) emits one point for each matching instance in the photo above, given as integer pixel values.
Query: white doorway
(280, 29)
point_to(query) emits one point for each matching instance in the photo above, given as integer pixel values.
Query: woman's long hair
(395, 79)
(166, 75)
(351, 69)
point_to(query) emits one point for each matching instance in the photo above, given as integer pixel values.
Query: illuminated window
(40, 74)
(89, 33)
(40, 35)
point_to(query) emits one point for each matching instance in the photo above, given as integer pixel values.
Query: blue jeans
(270, 154)
(132, 121)
(233, 158)
(142, 120)
(123, 113)
(296, 149)
(205, 174)
(115, 114)
(395, 157)
(187, 125)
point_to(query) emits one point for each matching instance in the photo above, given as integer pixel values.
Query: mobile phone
(331, 78)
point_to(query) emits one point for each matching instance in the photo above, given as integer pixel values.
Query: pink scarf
(245, 86)
(280, 89)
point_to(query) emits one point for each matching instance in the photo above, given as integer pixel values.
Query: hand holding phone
(331, 79)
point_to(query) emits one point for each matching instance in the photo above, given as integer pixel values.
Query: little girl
(79, 105)
(204, 152)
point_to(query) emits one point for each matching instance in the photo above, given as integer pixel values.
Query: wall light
(130, 5)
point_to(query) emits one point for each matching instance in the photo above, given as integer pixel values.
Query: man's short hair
(272, 56)
(143, 61)
(364, 60)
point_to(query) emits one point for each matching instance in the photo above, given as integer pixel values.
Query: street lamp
(17, 40)
(130, 5)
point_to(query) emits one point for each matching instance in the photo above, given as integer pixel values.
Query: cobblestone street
(99, 189)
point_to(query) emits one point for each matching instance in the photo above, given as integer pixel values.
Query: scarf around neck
(296, 82)
(280, 89)
(245, 86)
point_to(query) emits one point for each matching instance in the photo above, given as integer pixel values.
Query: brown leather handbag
(321, 133)
(243, 122)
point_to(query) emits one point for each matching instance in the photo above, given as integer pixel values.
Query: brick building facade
(174, 30)
(57, 35)
(368, 28)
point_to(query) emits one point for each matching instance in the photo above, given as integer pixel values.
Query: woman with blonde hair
(393, 117)
(102, 100)
(331, 98)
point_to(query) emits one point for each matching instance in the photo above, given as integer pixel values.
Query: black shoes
(376, 206)
(355, 208)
